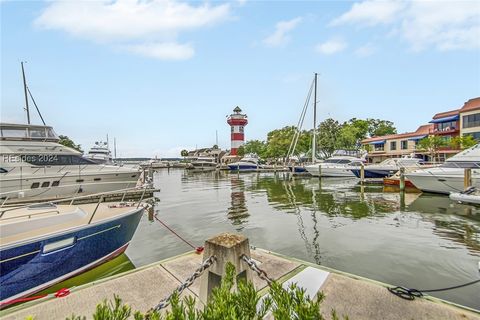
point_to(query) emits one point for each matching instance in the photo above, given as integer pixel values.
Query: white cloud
(281, 35)
(132, 21)
(331, 46)
(371, 12)
(444, 25)
(365, 50)
(163, 51)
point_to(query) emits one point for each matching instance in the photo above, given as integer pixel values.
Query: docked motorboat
(247, 163)
(202, 164)
(387, 167)
(35, 166)
(471, 195)
(46, 243)
(100, 153)
(336, 166)
(449, 176)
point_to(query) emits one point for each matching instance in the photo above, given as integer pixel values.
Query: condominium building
(449, 124)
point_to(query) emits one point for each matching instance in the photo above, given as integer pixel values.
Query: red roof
(470, 105)
(424, 129)
(446, 114)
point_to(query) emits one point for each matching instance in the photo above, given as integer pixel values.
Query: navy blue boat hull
(26, 268)
(374, 173)
(242, 167)
(297, 169)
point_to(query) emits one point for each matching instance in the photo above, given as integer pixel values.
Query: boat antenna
(314, 139)
(26, 97)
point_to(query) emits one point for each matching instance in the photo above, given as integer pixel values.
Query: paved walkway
(143, 288)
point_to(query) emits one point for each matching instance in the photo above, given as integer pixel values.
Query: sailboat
(292, 166)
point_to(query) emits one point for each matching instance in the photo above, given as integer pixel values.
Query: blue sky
(161, 76)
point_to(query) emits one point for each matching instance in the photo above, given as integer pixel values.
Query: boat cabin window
(339, 161)
(461, 164)
(46, 184)
(35, 185)
(55, 183)
(3, 170)
(54, 160)
(27, 132)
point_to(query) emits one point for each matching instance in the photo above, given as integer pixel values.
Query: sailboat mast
(115, 148)
(26, 97)
(314, 138)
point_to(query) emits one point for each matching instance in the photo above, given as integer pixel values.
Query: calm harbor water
(416, 240)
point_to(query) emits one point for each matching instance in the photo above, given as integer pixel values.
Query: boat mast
(314, 138)
(115, 148)
(26, 97)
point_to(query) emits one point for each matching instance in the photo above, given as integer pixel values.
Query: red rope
(59, 294)
(198, 250)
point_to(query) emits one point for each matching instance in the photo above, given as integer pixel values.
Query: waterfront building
(237, 122)
(448, 125)
(395, 145)
(470, 118)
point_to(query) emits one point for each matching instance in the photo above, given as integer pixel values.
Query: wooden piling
(362, 173)
(402, 179)
(467, 178)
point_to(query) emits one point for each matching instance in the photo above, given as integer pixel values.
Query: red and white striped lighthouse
(237, 122)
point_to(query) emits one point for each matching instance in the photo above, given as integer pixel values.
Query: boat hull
(242, 167)
(442, 180)
(32, 266)
(338, 172)
(374, 173)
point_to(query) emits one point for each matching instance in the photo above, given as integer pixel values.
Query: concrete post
(467, 179)
(320, 171)
(402, 178)
(226, 247)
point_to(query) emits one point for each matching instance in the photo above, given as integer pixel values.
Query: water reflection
(237, 212)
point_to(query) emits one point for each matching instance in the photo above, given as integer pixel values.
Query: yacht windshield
(53, 159)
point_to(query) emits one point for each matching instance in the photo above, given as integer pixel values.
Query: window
(444, 126)
(79, 180)
(231, 129)
(55, 183)
(46, 184)
(3, 170)
(97, 179)
(475, 135)
(379, 147)
(241, 128)
(393, 145)
(35, 185)
(472, 120)
(404, 145)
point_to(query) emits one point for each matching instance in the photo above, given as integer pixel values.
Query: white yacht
(336, 166)
(449, 176)
(34, 165)
(388, 167)
(100, 153)
(247, 163)
(202, 164)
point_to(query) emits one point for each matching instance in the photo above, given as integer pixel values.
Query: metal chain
(165, 302)
(260, 272)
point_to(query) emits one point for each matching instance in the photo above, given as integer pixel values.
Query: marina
(173, 160)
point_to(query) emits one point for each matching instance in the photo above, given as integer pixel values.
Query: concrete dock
(143, 288)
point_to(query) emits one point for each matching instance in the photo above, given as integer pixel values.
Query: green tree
(278, 142)
(352, 133)
(377, 127)
(462, 142)
(241, 151)
(431, 144)
(184, 153)
(255, 146)
(67, 142)
(327, 136)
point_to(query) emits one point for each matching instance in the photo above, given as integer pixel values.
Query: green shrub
(225, 304)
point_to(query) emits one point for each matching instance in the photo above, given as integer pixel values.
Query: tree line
(331, 135)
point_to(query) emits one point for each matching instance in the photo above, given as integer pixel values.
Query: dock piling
(402, 178)
(467, 178)
(362, 173)
(226, 247)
